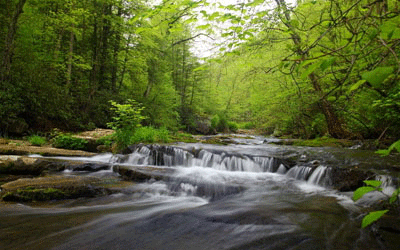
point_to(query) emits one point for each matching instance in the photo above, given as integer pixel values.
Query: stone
(52, 188)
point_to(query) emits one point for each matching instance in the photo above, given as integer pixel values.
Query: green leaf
(310, 69)
(383, 152)
(378, 75)
(331, 98)
(357, 85)
(328, 62)
(361, 191)
(294, 23)
(395, 196)
(204, 27)
(373, 183)
(372, 217)
(395, 145)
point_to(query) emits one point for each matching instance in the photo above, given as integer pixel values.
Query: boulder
(143, 173)
(349, 179)
(52, 188)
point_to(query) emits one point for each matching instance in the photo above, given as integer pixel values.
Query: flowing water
(231, 197)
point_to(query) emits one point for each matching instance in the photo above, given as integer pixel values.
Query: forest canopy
(301, 68)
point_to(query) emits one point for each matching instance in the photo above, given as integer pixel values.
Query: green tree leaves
(372, 217)
(377, 76)
(373, 185)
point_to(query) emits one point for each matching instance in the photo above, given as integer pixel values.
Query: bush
(233, 126)
(247, 125)
(215, 122)
(220, 123)
(36, 140)
(105, 140)
(69, 142)
(127, 120)
(150, 135)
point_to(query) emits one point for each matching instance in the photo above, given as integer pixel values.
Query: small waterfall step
(162, 155)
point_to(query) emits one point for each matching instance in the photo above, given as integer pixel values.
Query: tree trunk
(9, 43)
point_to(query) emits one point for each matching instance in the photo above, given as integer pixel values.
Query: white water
(215, 199)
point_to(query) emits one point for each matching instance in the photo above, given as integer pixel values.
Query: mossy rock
(52, 188)
(21, 165)
(324, 142)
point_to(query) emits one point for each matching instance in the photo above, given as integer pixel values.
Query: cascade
(173, 156)
(320, 176)
(299, 172)
(177, 157)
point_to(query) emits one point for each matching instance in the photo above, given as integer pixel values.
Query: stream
(244, 196)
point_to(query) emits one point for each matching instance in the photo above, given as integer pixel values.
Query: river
(242, 196)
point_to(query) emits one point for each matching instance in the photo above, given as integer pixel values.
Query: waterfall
(320, 176)
(299, 172)
(172, 156)
(314, 176)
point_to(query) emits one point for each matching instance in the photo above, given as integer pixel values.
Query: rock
(52, 188)
(204, 127)
(143, 173)
(45, 151)
(103, 148)
(349, 179)
(23, 165)
(88, 166)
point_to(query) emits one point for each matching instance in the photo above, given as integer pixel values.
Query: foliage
(233, 126)
(306, 69)
(69, 142)
(374, 185)
(127, 116)
(386, 152)
(126, 122)
(105, 140)
(150, 135)
(220, 123)
(37, 140)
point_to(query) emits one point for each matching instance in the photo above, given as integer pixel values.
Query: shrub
(144, 134)
(69, 142)
(105, 140)
(247, 125)
(214, 122)
(233, 126)
(219, 123)
(36, 140)
(126, 121)
(163, 135)
(150, 135)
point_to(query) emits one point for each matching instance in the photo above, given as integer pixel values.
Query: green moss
(183, 137)
(29, 194)
(323, 142)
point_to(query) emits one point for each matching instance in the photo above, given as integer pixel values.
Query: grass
(69, 142)
(37, 140)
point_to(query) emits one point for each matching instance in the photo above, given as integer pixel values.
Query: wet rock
(349, 179)
(52, 188)
(88, 166)
(11, 149)
(142, 173)
(22, 165)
